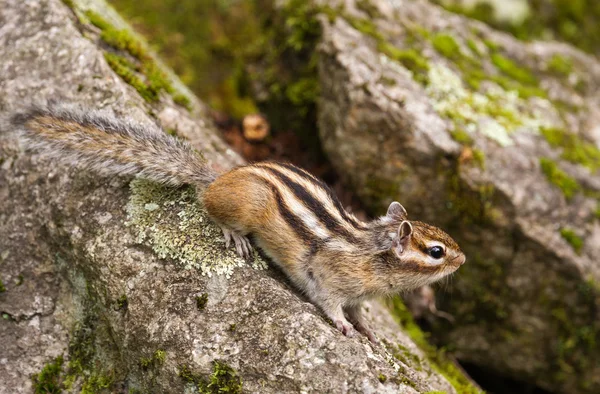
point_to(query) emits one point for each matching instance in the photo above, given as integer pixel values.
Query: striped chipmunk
(294, 218)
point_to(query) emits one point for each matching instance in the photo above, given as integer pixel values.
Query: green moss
(574, 21)
(409, 58)
(368, 8)
(7, 316)
(182, 99)
(474, 47)
(502, 111)
(89, 347)
(95, 19)
(157, 359)
(446, 45)
(560, 65)
(479, 158)
(18, 282)
(437, 358)
(160, 356)
(69, 3)
(492, 46)
(188, 376)
(223, 379)
(525, 91)
(173, 222)
(573, 239)
(436, 392)
(405, 380)
(574, 149)
(559, 178)
(382, 378)
(366, 27)
(49, 380)
(119, 64)
(201, 301)
(512, 70)
(122, 302)
(97, 384)
(597, 211)
(2, 287)
(574, 346)
(124, 40)
(144, 75)
(232, 327)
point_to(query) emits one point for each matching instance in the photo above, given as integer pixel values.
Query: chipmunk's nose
(460, 259)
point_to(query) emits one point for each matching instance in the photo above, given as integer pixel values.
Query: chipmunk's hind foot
(242, 243)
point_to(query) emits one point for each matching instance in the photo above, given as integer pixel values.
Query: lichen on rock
(495, 114)
(174, 223)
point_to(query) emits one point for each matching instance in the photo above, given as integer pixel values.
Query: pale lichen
(495, 113)
(174, 223)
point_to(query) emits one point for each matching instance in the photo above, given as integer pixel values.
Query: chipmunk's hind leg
(242, 243)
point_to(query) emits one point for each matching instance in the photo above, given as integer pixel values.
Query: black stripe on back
(292, 220)
(314, 205)
(336, 202)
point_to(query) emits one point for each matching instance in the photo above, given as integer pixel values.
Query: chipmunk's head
(419, 252)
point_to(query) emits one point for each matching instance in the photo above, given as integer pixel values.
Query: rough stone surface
(79, 284)
(527, 303)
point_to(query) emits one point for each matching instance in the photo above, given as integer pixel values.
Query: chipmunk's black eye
(437, 252)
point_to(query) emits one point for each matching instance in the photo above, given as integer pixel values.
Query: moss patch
(175, 225)
(157, 359)
(122, 303)
(201, 301)
(49, 380)
(560, 65)
(437, 358)
(223, 379)
(2, 287)
(574, 149)
(140, 70)
(409, 58)
(495, 114)
(559, 178)
(512, 70)
(573, 239)
(446, 45)
(574, 21)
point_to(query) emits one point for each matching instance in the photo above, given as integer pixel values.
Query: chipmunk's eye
(437, 252)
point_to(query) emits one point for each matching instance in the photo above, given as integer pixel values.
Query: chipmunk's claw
(243, 247)
(346, 328)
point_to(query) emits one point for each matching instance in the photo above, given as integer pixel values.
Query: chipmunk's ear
(402, 240)
(397, 211)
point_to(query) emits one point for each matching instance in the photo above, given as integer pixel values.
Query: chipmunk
(294, 218)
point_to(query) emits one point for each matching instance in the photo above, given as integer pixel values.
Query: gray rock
(483, 135)
(84, 281)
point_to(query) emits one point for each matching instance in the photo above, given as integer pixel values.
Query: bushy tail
(103, 143)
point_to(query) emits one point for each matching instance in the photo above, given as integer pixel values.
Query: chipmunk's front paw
(346, 328)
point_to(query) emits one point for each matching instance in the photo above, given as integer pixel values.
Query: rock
(111, 285)
(495, 140)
